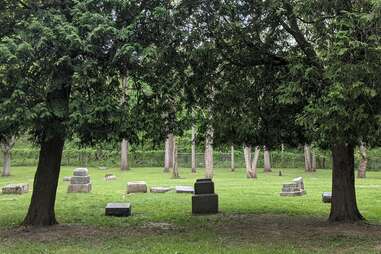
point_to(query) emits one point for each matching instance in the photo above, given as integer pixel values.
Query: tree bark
(41, 210)
(254, 163)
(232, 163)
(168, 160)
(175, 168)
(193, 150)
(363, 162)
(248, 162)
(307, 158)
(124, 155)
(267, 161)
(209, 155)
(313, 162)
(6, 146)
(343, 205)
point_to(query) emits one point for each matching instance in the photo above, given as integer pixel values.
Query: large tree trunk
(175, 166)
(343, 205)
(363, 162)
(6, 146)
(266, 157)
(124, 155)
(209, 155)
(307, 158)
(41, 209)
(168, 160)
(193, 150)
(232, 163)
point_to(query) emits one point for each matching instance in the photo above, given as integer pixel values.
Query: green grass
(253, 217)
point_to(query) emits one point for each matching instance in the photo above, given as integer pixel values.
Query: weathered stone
(184, 189)
(15, 188)
(80, 180)
(110, 177)
(204, 187)
(293, 193)
(80, 172)
(295, 188)
(326, 197)
(205, 204)
(136, 187)
(160, 189)
(84, 188)
(67, 178)
(118, 209)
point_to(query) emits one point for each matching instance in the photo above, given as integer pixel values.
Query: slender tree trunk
(175, 167)
(267, 161)
(363, 162)
(343, 205)
(307, 158)
(313, 162)
(232, 163)
(209, 155)
(248, 162)
(41, 209)
(254, 163)
(124, 155)
(193, 150)
(6, 146)
(168, 160)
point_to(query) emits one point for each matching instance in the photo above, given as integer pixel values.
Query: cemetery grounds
(253, 217)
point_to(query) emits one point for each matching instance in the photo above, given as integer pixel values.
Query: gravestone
(80, 181)
(160, 189)
(204, 201)
(118, 209)
(295, 188)
(326, 197)
(67, 178)
(136, 187)
(19, 188)
(110, 177)
(184, 189)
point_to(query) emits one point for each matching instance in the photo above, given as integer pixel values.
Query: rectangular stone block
(293, 194)
(160, 189)
(80, 172)
(110, 178)
(326, 197)
(205, 204)
(118, 209)
(84, 188)
(204, 187)
(184, 189)
(136, 187)
(80, 180)
(19, 188)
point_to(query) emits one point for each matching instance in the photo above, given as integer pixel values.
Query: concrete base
(81, 188)
(293, 193)
(205, 204)
(118, 209)
(136, 187)
(160, 189)
(15, 188)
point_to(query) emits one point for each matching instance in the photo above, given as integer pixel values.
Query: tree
(6, 145)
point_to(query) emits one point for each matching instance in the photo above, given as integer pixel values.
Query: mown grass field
(253, 217)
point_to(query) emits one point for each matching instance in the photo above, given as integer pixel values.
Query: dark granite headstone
(205, 204)
(118, 209)
(203, 187)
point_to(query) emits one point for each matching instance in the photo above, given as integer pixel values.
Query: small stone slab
(19, 188)
(326, 197)
(160, 189)
(80, 172)
(136, 187)
(205, 204)
(184, 189)
(118, 209)
(67, 178)
(80, 180)
(81, 188)
(110, 178)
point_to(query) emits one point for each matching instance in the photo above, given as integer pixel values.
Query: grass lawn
(253, 217)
